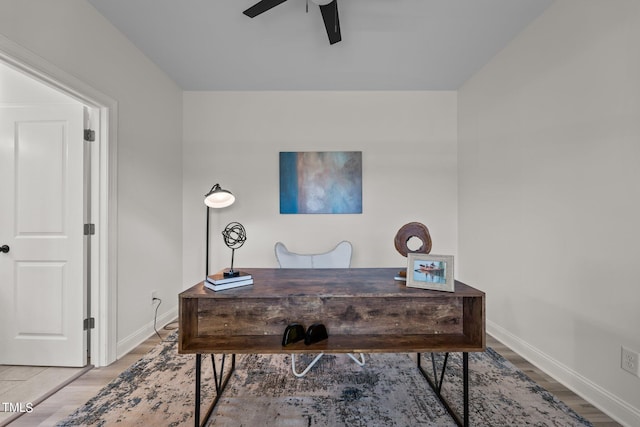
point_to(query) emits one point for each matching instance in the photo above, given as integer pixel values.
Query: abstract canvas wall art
(321, 182)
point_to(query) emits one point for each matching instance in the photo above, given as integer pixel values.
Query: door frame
(104, 242)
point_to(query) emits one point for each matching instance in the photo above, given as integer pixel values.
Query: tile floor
(20, 385)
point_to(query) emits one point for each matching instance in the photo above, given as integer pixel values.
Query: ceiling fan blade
(261, 7)
(331, 21)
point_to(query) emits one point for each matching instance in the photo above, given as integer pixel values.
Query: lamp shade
(218, 197)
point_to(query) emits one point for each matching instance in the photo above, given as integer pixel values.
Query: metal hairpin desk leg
(220, 382)
(436, 385)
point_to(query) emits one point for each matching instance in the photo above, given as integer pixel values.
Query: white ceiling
(386, 44)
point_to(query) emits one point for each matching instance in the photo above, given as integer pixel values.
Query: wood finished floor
(66, 400)
(572, 400)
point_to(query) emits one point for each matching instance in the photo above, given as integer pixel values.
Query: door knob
(4, 248)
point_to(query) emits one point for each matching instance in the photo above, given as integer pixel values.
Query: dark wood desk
(363, 309)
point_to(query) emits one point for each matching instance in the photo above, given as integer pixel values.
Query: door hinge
(89, 135)
(89, 229)
(89, 323)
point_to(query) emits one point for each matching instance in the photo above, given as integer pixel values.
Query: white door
(42, 292)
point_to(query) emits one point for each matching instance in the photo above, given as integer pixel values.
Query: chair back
(338, 257)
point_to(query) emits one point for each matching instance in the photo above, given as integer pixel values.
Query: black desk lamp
(216, 198)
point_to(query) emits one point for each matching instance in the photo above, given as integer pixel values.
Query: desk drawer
(341, 315)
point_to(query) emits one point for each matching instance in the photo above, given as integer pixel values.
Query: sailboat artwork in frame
(321, 182)
(428, 271)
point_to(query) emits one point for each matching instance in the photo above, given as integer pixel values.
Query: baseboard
(616, 408)
(139, 336)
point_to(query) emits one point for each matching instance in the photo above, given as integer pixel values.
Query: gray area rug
(158, 390)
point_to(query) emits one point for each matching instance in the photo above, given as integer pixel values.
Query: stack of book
(218, 282)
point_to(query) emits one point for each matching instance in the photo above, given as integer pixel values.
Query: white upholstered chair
(338, 257)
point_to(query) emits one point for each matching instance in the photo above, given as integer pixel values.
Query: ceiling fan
(329, 9)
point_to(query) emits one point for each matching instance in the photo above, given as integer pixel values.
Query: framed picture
(321, 182)
(430, 272)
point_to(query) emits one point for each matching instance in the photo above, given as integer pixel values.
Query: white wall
(71, 35)
(408, 144)
(549, 195)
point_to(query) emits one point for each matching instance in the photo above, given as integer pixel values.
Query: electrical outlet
(630, 360)
(154, 295)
